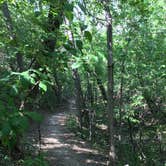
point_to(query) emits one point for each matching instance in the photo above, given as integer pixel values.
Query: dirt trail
(62, 147)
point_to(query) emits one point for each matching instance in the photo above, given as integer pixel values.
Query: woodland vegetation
(107, 55)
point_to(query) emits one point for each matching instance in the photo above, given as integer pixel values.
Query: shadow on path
(62, 147)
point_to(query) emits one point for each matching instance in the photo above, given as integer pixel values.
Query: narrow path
(62, 147)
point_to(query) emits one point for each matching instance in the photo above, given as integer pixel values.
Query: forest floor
(61, 146)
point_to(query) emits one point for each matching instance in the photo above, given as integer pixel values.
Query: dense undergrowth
(29, 159)
(134, 147)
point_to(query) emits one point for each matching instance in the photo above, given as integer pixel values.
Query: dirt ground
(61, 146)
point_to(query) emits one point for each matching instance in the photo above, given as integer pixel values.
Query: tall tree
(110, 95)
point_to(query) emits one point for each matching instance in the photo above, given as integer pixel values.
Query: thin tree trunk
(95, 93)
(91, 113)
(131, 135)
(121, 90)
(9, 23)
(90, 96)
(112, 160)
(101, 87)
(79, 97)
(58, 88)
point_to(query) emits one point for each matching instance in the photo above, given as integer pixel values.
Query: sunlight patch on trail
(87, 150)
(51, 143)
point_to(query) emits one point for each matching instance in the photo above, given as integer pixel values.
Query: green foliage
(29, 160)
(56, 37)
(11, 126)
(13, 121)
(79, 44)
(39, 160)
(43, 86)
(88, 36)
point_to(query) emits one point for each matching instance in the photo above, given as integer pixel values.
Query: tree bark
(90, 96)
(112, 160)
(79, 97)
(101, 87)
(121, 90)
(58, 88)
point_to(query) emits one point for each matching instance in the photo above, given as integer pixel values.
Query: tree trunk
(58, 88)
(79, 97)
(131, 135)
(110, 88)
(101, 87)
(121, 90)
(90, 96)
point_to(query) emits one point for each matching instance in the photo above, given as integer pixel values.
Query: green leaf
(68, 47)
(69, 15)
(88, 36)
(79, 44)
(83, 26)
(6, 128)
(43, 86)
(76, 65)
